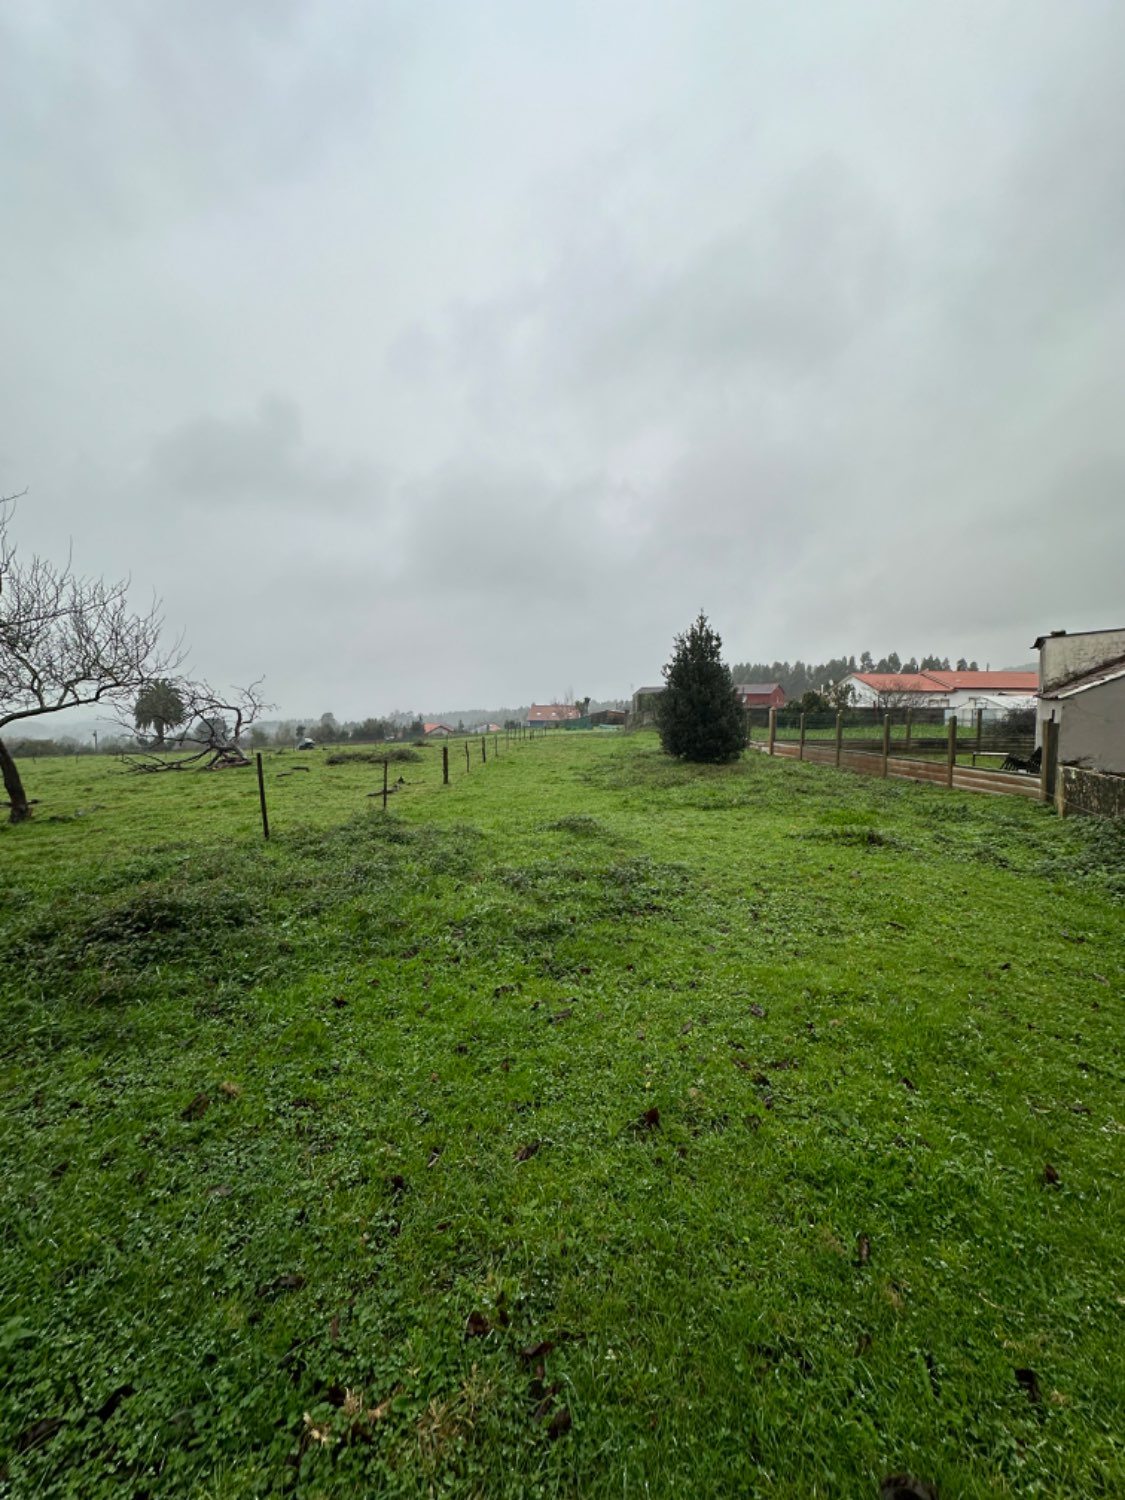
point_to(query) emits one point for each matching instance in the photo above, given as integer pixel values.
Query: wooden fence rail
(945, 772)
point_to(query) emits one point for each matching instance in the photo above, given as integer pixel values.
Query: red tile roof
(902, 682)
(934, 681)
(1008, 682)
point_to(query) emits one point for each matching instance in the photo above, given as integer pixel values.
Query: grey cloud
(465, 352)
(263, 461)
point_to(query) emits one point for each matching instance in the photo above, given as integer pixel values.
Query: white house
(962, 693)
(1082, 687)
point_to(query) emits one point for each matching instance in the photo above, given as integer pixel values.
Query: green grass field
(596, 1126)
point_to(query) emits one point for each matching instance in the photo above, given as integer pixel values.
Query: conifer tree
(698, 713)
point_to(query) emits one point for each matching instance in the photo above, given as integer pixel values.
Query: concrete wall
(1064, 657)
(1092, 727)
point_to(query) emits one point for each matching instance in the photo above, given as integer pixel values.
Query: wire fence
(477, 749)
(912, 731)
(919, 753)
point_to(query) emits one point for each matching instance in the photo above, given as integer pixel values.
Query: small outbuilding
(644, 706)
(545, 715)
(1082, 688)
(760, 694)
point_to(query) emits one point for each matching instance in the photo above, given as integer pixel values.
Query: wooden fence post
(445, 765)
(773, 728)
(483, 743)
(839, 738)
(466, 756)
(951, 750)
(1049, 762)
(886, 741)
(386, 764)
(909, 727)
(262, 799)
(801, 746)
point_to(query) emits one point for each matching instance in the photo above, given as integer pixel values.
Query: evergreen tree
(698, 714)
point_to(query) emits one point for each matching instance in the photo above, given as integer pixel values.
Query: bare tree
(67, 641)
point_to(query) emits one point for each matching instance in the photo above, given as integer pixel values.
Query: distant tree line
(328, 730)
(800, 677)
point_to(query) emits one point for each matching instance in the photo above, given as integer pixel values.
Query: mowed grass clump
(594, 1125)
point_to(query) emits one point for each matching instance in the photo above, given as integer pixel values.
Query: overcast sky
(424, 354)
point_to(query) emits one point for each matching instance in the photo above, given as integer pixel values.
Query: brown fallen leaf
(38, 1433)
(1050, 1175)
(543, 1396)
(525, 1153)
(906, 1487)
(197, 1108)
(477, 1325)
(864, 1249)
(908, 1083)
(397, 1184)
(650, 1120)
(536, 1351)
(559, 1423)
(334, 1329)
(758, 1011)
(339, 1001)
(1030, 1383)
(230, 1090)
(291, 1281)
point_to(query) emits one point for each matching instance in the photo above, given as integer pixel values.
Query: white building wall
(1062, 658)
(1092, 727)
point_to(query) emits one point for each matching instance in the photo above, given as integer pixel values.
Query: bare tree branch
(67, 641)
(214, 726)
